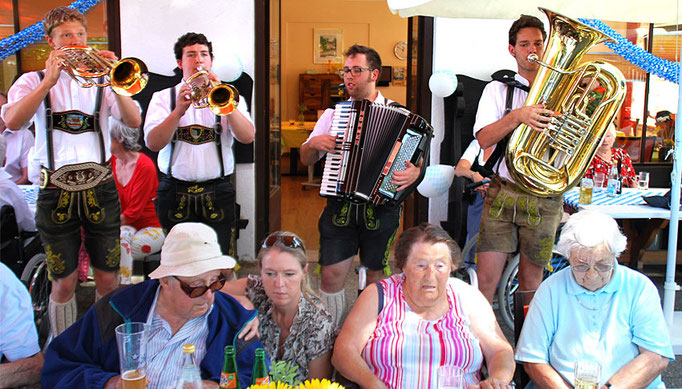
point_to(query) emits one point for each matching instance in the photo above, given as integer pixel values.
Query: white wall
(149, 30)
(473, 47)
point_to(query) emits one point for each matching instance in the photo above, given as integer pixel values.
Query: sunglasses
(599, 267)
(198, 291)
(289, 241)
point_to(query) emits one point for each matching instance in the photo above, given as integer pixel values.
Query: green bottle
(260, 376)
(229, 378)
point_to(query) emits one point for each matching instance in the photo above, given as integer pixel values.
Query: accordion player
(372, 142)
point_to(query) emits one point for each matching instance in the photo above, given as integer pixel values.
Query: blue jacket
(86, 354)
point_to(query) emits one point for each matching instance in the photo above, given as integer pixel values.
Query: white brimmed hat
(191, 249)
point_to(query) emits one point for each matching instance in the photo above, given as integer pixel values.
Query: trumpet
(221, 99)
(126, 77)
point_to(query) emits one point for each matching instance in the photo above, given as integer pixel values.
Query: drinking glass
(586, 185)
(450, 377)
(587, 374)
(132, 354)
(643, 180)
(599, 179)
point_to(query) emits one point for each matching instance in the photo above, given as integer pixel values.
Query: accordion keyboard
(406, 150)
(334, 161)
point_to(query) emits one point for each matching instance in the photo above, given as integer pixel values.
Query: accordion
(372, 142)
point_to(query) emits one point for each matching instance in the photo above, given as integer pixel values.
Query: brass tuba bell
(126, 77)
(221, 99)
(550, 163)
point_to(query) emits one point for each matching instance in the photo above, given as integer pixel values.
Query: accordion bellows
(372, 142)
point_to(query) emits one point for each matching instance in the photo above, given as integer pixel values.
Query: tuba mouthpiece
(532, 58)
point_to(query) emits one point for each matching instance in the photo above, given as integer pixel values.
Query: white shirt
(324, 123)
(194, 163)
(18, 335)
(11, 194)
(491, 109)
(19, 143)
(66, 95)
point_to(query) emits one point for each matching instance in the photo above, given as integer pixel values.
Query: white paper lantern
(228, 67)
(443, 83)
(437, 180)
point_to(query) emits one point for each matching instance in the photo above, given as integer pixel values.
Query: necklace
(594, 309)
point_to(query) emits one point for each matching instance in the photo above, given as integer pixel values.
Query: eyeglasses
(599, 267)
(354, 71)
(289, 241)
(198, 291)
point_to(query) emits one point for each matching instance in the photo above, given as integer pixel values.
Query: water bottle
(612, 187)
(190, 376)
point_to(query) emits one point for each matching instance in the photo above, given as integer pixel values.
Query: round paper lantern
(443, 83)
(228, 67)
(437, 180)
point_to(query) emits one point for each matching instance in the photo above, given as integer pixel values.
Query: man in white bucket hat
(181, 304)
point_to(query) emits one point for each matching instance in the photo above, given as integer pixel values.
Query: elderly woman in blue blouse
(595, 309)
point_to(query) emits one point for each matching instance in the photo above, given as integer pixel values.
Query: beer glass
(587, 374)
(586, 186)
(132, 354)
(643, 181)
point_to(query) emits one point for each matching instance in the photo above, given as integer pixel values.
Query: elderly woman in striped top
(403, 328)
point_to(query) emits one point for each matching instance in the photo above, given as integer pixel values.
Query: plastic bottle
(229, 378)
(613, 185)
(190, 376)
(260, 376)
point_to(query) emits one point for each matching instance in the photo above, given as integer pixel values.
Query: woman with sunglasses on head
(294, 325)
(597, 310)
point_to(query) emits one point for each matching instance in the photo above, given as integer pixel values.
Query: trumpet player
(195, 147)
(71, 164)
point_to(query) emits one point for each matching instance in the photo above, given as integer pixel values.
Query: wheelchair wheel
(469, 245)
(39, 288)
(509, 283)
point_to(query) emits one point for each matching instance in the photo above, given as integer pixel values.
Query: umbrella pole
(670, 287)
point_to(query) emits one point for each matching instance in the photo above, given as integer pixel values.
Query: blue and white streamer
(33, 33)
(639, 57)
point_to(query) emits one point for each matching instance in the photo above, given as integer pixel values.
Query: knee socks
(335, 303)
(61, 315)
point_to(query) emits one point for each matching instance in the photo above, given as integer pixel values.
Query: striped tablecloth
(627, 205)
(629, 196)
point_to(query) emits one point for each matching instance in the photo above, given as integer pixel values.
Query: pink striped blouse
(405, 350)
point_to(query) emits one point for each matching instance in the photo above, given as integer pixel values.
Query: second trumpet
(221, 99)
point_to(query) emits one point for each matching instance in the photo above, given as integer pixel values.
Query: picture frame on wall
(327, 45)
(398, 75)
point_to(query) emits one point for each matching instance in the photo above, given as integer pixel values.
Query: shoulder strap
(98, 130)
(218, 129)
(380, 295)
(49, 126)
(506, 77)
(175, 134)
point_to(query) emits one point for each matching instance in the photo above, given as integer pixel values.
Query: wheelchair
(23, 253)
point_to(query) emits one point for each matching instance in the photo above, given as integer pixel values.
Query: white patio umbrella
(654, 11)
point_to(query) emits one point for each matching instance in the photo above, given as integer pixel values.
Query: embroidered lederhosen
(201, 195)
(76, 181)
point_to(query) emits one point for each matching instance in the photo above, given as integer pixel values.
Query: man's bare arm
(22, 372)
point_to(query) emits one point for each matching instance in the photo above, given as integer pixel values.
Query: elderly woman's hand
(491, 383)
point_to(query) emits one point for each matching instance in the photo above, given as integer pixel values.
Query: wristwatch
(471, 176)
(608, 385)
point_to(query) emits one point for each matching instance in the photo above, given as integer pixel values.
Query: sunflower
(317, 384)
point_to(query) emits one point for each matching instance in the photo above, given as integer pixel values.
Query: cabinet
(318, 92)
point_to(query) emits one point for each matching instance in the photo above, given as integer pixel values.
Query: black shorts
(347, 227)
(209, 202)
(59, 218)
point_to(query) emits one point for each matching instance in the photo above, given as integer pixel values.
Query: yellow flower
(317, 384)
(271, 385)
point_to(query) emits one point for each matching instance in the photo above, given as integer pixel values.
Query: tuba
(221, 99)
(551, 162)
(126, 77)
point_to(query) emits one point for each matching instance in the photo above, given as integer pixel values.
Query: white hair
(128, 136)
(591, 230)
